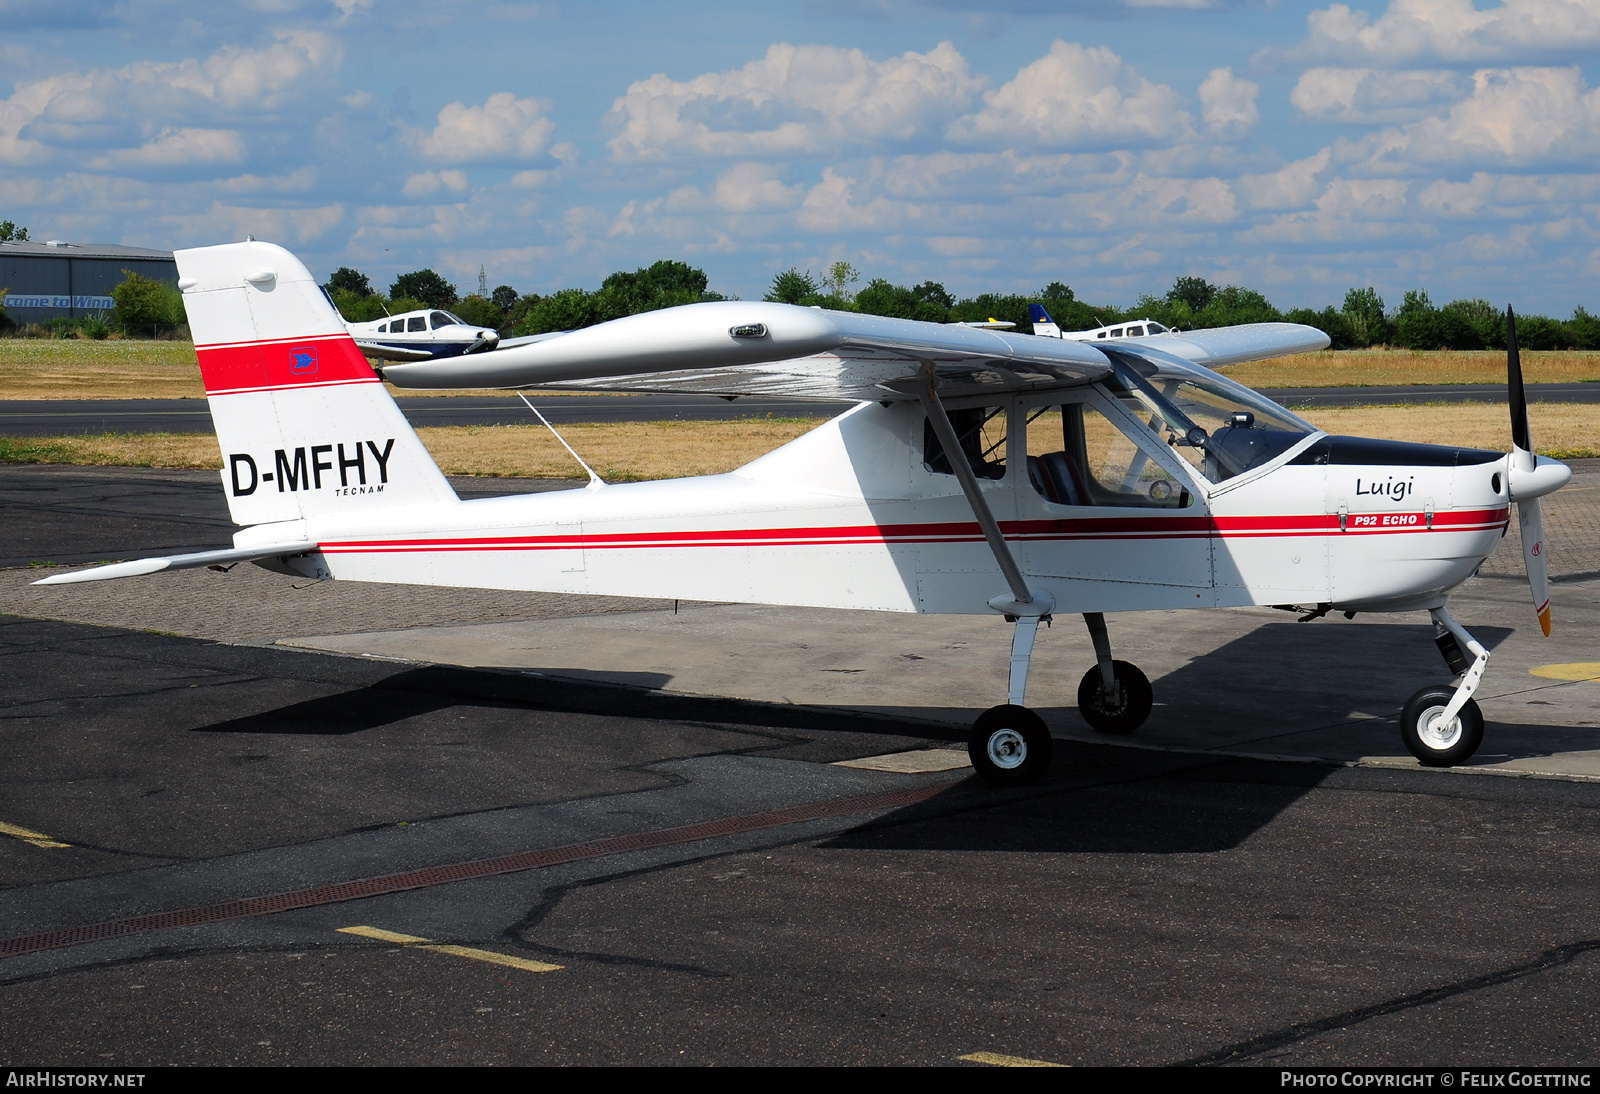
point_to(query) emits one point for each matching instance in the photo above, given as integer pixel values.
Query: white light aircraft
(1132, 328)
(421, 336)
(1086, 478)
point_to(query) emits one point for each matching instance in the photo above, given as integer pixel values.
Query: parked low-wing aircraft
(421, 336)
(1128, 328)
(980, 472)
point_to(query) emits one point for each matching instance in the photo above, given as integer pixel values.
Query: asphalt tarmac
(70, 417)
(560, 871)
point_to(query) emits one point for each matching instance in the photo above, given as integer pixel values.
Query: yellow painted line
(994, 1059)
(456, 951)
(38, 839)
(1573, 670)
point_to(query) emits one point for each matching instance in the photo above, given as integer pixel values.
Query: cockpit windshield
(1220, 426)
(443, 319)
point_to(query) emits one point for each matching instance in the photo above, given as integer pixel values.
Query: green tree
(146, 304)
(348, 280)
(1363, 312)
(357, 307)
(928, 302)
(504, 297)
(10, 233)
(425, 285)
(837, 281)
(1196, 292)
(1541, 332)
(518, 315)
(792, 287)
(986, 306)
(402, 304)
(480, 312)
(1330, 321)
(5, 320)
(1416, 325)
(1471, 324)
(1232, 304)
(664, 284)
(568, 309)
(1583, 330)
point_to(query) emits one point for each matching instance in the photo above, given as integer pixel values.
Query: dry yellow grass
(619, 452)
(1382, 367)
(1568, 430)
(658, 450)
(49, 368)
(76, 368)
(38, 368)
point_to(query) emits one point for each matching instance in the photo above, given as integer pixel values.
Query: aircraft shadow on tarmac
(1150, 804)
(415, 692)
(1286, 678)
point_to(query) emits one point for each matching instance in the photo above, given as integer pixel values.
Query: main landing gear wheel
(1431, 739)
(1010, 746)
(1122, 712)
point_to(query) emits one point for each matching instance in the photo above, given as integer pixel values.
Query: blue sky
(1112, 144)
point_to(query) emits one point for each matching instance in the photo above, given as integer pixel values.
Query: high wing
(733, 348)
(1220, 347)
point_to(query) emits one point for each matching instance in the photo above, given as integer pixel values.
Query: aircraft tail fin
(304, 423)
(1042, 323)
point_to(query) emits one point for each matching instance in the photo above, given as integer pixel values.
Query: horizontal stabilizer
(141, 566)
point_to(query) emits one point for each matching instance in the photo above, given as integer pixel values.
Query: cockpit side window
(1078, 456)
(1157, 328)
(982, 432)
(1222, 428)
(440, 319)
(417, 322)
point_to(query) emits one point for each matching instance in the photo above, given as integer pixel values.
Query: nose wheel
(1009, 746)
(1435, 736)
(1441, 725)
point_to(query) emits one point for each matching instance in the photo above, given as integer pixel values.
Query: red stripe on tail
(320, 361)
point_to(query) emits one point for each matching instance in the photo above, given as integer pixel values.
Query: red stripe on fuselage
(1108, 528)
(283, 364)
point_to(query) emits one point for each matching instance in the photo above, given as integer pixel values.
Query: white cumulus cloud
(431, 182)
(796, 99)
(503, 128)
(123, 110)
(173, 147)
(1451, 31)
(1228, 104)
(1078, 97)
(1514, 117)
(1366, 96)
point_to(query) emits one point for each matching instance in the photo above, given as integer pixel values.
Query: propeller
(1530, 517)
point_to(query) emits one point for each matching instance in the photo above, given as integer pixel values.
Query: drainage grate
(461, 871)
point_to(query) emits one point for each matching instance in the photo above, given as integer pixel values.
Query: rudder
(305, 425)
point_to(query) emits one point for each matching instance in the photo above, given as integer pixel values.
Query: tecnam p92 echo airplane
(980, 472)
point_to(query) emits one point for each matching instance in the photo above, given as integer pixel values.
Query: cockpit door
(1106, 502)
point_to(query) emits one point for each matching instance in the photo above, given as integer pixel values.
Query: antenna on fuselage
(594, 480)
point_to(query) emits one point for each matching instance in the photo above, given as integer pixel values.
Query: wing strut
(1023, 601)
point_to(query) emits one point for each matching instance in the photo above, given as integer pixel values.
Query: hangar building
(53, 279)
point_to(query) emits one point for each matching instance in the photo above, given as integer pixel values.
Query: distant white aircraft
(1134, 328)
(422, 336)
(980, 472)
